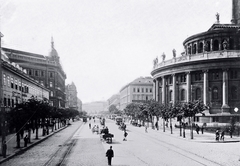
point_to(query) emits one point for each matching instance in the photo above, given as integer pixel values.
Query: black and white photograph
(120, 82)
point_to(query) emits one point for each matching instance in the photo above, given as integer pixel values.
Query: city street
(142, 148)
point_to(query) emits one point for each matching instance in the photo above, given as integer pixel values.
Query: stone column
(157, 89)
(154, 89)
(163, 90)
(196, 47)
(205, 87)
(211, 44)
(189, 92)
(225, 107)
(174, 89)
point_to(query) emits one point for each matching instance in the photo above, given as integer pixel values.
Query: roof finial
(217, 17)
(52, 42)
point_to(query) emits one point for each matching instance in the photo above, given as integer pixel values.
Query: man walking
(109, 155)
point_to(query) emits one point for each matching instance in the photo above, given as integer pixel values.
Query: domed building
(46, 70)
(209, 70)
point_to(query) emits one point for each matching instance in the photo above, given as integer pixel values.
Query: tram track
(183, 152)
(58, 158)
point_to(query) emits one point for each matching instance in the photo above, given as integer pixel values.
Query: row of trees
(34, 114)
(147, 110)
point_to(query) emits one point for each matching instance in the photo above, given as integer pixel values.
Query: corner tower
(235, 12)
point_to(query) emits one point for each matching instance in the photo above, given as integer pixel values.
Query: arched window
(194, 48)
(234, 92)
(198, 94)
(215, 45)
(183, 94)
(207, 46)
(215, 93)
(200, 48)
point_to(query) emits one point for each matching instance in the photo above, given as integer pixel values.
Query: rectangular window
(170, 80)
(12, 102)
(19, 85)
(9, 102)
(146, 90)
(42, 73)
(215, 75)
(142, 90)
(30, 72)
(150, 90)
(51, 74)
(137, 89)
(8, 80)
(12, 83)
(50, 84)
(183, 78)
(4, 80)
(133, 89)
(5, 101)
(233, 74)
(16, 84)
(36, 72)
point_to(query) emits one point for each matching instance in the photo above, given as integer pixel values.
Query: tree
(112, 109)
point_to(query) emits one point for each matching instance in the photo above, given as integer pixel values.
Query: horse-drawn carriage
(105, 135)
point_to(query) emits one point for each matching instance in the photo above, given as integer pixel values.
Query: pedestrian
(146, 128)
(222, 135)
(217, 135)
(125, 135)
(110, 155)
(197, 128)
(25, 140)
(202, 128)
(156, 125)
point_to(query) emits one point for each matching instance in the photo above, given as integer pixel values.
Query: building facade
(71, 96)
(17, 86)
(46, 70)
(114, 100)
(79, 104)
(208, 70)
(139, 90)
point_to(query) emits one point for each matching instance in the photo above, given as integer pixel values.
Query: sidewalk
(206, 137)
(11, 143)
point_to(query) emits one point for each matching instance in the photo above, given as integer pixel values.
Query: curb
(22, 150)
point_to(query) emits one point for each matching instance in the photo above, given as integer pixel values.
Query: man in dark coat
(109, 155)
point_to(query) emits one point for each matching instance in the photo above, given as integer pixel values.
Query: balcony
(199, 56)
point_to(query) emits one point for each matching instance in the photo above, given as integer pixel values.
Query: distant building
(46, 70)
(17, 86)
(71, 96)
(114, 100)
(94, 107)
(139, 90)
(79, 105)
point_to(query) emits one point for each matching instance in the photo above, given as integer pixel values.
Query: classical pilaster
(163, 90)
(225, 107)
(174, 88)
(188, 86)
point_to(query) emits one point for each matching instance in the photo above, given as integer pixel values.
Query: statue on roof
(155, 61)
(163, 56)
(174, 53)
(217, 17)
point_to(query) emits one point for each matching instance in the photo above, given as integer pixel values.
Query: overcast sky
(105, 44)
